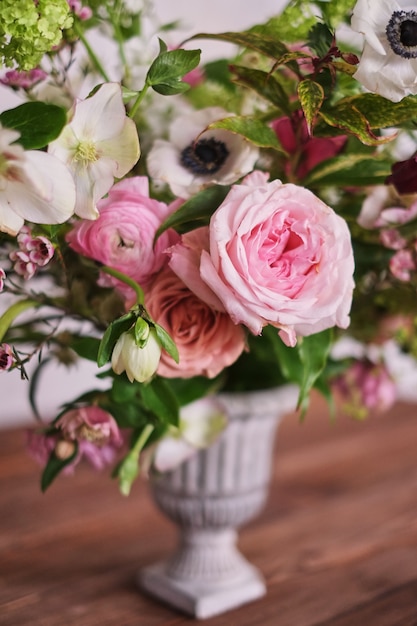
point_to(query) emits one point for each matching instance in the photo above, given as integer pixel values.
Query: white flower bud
(140, 363)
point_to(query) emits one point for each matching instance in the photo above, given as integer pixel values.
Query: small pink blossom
(23, 80)
(22, 264)
(123, 234)
(82, 12)
(402, 264)
(2, 278)
(6, 357)
(391, 238)
(33, 252)
(366, 386)
(279, 256)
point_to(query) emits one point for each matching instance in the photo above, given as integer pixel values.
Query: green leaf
(123, 391)
(159, 398)
(382, 113)
(54, 466)
(141, 330)
(196, 211)
(167, 343)
(320, 39)
(112, 334)
(349, 169)
(8, 317)
(314, 351)
(346, 116)
(253, 129)
(38, 123)
(311, 97)
(85, 347)
(258, 41)
(292, 24)
(167, 70)
(265, 84)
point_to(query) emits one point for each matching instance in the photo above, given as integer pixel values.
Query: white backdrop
(59, 384)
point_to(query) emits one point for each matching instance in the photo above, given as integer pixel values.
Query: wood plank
(337, 541)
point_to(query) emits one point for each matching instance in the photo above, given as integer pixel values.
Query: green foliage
(251, 128)
(292, 25)
(38, 123)
(166, 72)
(54, 467)
(311, 97)
(158, 397)
(196, 211)
(166, 342)
(349, 169)
(265, 85)
(320, 39)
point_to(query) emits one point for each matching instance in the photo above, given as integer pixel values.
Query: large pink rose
(280, 256)
(123, 234)
(207, 340)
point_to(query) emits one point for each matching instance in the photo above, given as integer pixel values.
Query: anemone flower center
(205, 156)
(402, 33)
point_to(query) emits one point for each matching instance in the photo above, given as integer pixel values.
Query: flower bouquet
(196, 228)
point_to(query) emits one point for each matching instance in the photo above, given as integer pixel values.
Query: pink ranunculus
(280, 256)
(123, 234)
(207, 340)
(293, 134)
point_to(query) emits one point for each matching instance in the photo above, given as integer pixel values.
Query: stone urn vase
(209, 497)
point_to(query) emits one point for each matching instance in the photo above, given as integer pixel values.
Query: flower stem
(138, 100)
(140, 298)
(91, 53)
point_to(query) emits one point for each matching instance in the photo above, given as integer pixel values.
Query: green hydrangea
(29, 28)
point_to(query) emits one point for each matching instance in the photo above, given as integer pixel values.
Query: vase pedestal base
(203, 599)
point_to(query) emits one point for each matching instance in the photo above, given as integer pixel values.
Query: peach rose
(207, 340)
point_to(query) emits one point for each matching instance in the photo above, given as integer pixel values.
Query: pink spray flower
(402, 264)
(6, 357)
(2, 278)
(23, 80)
(33, 252)
(366, 386)
(123, 234)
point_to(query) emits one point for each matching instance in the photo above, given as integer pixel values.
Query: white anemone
(34, 186)
(99, 144)
(388, 64)
(195, 158)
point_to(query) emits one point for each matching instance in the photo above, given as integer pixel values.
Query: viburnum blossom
(194, 158)
(34, 186)
(280, 256)
(100, 143)
(123, 234)
(388, 65)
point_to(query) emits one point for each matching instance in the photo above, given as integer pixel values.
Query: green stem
(143, 438)
(138, 100)
(12, 312)
(140, 298)
(91, 52)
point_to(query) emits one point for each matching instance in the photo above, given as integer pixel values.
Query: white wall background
(59, 384)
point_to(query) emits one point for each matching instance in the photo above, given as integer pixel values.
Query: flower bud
(139, 362)
(64, 449)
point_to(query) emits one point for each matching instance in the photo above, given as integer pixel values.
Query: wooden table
(337, 541)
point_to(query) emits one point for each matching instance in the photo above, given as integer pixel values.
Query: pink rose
(123, 234)
(279, 256)
(207, 340)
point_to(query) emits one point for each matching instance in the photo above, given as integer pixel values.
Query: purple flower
(23, 80)
(404, 176)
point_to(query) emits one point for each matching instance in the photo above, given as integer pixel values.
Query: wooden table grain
(337, 541)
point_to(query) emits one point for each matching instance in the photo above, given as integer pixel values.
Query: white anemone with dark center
(388, 64)
(195, 157)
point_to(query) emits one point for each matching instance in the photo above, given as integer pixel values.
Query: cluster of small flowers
(33, 252)
(82, 12)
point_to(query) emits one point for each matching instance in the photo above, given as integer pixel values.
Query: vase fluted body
(209, 497)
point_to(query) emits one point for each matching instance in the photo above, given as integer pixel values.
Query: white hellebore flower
(140, 363)
(34, 186)
(100, 143)
(201, 422)
(195, 158)
(388, 65)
